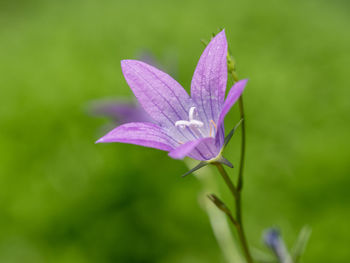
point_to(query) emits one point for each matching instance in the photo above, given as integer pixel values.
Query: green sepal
(197, 167)
(229, 136)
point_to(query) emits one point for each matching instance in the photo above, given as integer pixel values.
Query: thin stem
(238, 221)
(227, 180)
(223, 207)
(243, 239)
(241, 162)
(241, 112)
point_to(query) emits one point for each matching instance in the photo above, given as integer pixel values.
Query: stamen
(212, 123)
(193, 124)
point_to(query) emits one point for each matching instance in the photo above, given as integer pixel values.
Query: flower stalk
(241, 162)
(235, 190)
(231, 68)
(237, 222)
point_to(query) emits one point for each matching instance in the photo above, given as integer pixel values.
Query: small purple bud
(273, 239)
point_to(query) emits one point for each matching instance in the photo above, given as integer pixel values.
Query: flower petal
(201, 149)
(209, 80)
(232, 97)
(159, 94)
(184, 149)
(141, 133)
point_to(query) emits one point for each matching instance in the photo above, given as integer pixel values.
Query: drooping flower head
(181, 124)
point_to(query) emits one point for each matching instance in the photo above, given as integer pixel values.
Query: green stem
(241, 163)
(227, 180)
(241, 111)
(238, 222)
(238, 189)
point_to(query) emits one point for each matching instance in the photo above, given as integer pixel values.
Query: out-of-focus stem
(238, 221)
(220, 226)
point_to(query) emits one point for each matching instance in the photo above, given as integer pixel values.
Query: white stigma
(192, 123)
(191, 113)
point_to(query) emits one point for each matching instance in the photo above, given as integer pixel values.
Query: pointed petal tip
(222, 32)
(100, 140)
(175, 155)
(139, 133)
(221, 36)
(244, 81)
(240, 84)
(126, 62)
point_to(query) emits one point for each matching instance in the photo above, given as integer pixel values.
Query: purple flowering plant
(167, 118)
(182, 125)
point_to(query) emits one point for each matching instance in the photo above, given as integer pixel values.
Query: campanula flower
(182, 125)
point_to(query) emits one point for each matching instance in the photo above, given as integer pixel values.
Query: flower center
(196, 125)
(192, 123)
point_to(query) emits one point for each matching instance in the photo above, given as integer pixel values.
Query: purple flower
(182, 125)
(272, 238)
(120, 111)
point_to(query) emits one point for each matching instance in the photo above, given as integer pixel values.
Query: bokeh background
(65, 199)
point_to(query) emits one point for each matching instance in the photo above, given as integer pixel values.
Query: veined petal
(141, 133)
(220, 136)
(159, 94)
(201, 149)
(184, 149)
(209, 80)
(232, 97)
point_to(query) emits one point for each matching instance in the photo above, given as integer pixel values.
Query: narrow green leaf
(300, 244)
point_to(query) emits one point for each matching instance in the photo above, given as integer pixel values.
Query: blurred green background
(65, 199)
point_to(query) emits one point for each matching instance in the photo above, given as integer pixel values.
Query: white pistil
(191, 113)
(193, 124)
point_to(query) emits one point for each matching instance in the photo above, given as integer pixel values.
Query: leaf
(300, 244)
